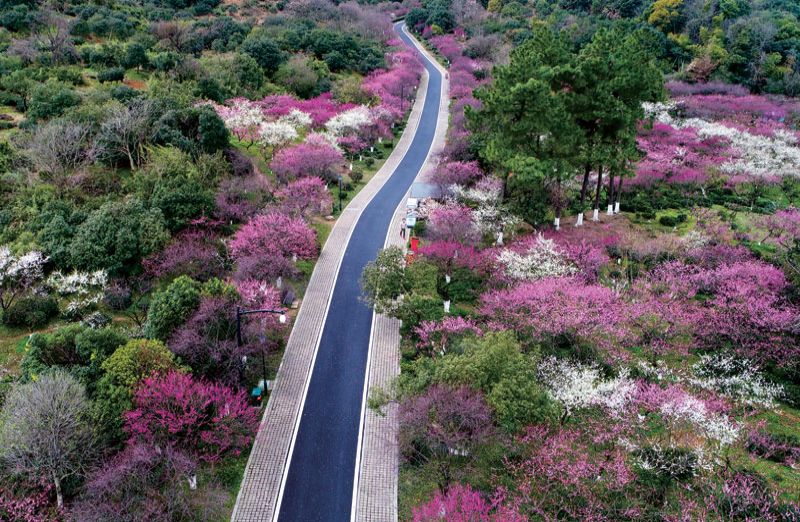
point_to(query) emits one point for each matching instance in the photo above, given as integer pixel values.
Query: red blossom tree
(456, 173)
(460, 504)
(205, 419)
(444, 426)
(144, 482)
(193, 252)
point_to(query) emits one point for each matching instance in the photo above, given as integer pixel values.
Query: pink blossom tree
(460, 504)
(206, 419)
(434, 336)
(314, 157)
(456, 173)
(574, 474)
(194, 252)
(274, 235)
(546, 309)
(452, 223)
(305, 197)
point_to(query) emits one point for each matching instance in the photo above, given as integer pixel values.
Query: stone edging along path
(266, 466)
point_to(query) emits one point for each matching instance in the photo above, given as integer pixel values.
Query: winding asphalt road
(320, 479)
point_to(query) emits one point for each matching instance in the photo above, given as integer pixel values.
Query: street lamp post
(239, 313)
(340, 193)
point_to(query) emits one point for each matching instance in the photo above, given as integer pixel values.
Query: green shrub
(464, 286)
(420, 278)
(78, 349)
(112, 74)
(51, 99)
(171, 307)
(31, 312)
(668, 221)
(418, 308)
(357, 175)
(519, 401)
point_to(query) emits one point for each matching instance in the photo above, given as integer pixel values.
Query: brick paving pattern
(268, 458)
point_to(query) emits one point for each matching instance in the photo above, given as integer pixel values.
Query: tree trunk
(587, 170)
(557, 220)
(59, 492)
(595, 216)
(610, 210)
(618, 194)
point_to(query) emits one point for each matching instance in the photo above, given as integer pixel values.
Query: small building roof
(423, 190)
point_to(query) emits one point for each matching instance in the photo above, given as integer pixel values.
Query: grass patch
(228, 474)
(678, 221)
(414, 487)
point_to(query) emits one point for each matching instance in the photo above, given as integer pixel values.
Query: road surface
(320, 479)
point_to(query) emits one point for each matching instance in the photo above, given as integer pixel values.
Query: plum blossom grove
(279, 120)
(648, 365)
(125, 253)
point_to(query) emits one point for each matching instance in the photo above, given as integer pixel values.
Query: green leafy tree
(382, 280)
(171, 183)
(171, 307)
(264, 50)
(666, 15)
(615, 73)
(524, 122)
(51, 99)
(117, 235)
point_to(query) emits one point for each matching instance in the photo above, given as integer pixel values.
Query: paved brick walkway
(265, 468)
(376, 486)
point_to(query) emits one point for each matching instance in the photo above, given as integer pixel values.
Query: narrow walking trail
(318, 474)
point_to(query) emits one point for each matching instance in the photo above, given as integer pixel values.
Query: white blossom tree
(273, 134)
(297, 118)
(542, 260)
(577, 386)
(349, 121)
(84, 289)
(19, 275)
